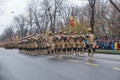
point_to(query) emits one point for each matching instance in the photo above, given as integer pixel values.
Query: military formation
(10, 45)
(58, 44)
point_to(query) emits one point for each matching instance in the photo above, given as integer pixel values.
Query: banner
(72, 22)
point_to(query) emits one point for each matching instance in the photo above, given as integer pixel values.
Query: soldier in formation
(58, 44)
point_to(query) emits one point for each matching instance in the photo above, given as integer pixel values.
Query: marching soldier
(65, 43)
(50, 43)
(90, 39)
(55, 40)
(72, 42)
(82, 42)
(60, 42)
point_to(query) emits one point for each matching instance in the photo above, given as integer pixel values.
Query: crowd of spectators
(106, 43)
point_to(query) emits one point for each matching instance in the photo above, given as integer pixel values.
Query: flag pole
(72, 18)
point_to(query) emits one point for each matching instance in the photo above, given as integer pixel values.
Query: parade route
(17, 66)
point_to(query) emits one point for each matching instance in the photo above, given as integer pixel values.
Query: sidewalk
(108, 51)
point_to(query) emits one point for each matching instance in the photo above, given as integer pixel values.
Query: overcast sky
(18, 7)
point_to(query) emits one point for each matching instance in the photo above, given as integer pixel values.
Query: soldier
(39, 43)
(75, 43)
(55, 40)
(82, 42)
(71, 42)
(65, 43)
(90, 39)
(44, 41)
(50, 43)
(60, 42)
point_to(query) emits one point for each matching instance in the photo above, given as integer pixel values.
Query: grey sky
(18, 7)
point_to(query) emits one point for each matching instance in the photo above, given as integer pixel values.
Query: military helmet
(65, 32)
(75, 32)
(81, 32)
(70, 31)
(50, 33)
(55, 32)
(89, 29)
(60, 31)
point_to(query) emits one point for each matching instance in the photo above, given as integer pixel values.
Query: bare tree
(114, 5)
(20, 22)
(30, 18)
(9, 34)
(92, 6)
(65, 13)
(54, 9)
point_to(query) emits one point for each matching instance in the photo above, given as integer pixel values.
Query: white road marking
(75, 61)
(91, 64)
(117, 69)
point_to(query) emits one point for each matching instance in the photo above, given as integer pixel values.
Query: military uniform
(90, 39)
(82, 43)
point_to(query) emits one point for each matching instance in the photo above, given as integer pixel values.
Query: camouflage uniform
(91, 44)
(82, 43)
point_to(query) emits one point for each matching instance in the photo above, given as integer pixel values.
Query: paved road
(16, 66)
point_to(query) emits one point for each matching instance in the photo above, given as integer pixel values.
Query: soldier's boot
(46, 52)
(35, 51)
(89, 54)
(62, 53)
(59, 53)
(82, 52)
(74, 52)
(93, 51)
(66, 53)
(52, 52)
(78, 52)
(56, 52)
(70, 52)
(42, 51)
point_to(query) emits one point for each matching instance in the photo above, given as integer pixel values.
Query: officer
(90, 38)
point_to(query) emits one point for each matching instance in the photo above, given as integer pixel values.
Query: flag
(72, 22)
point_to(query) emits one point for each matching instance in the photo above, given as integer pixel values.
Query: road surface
(17, 66)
